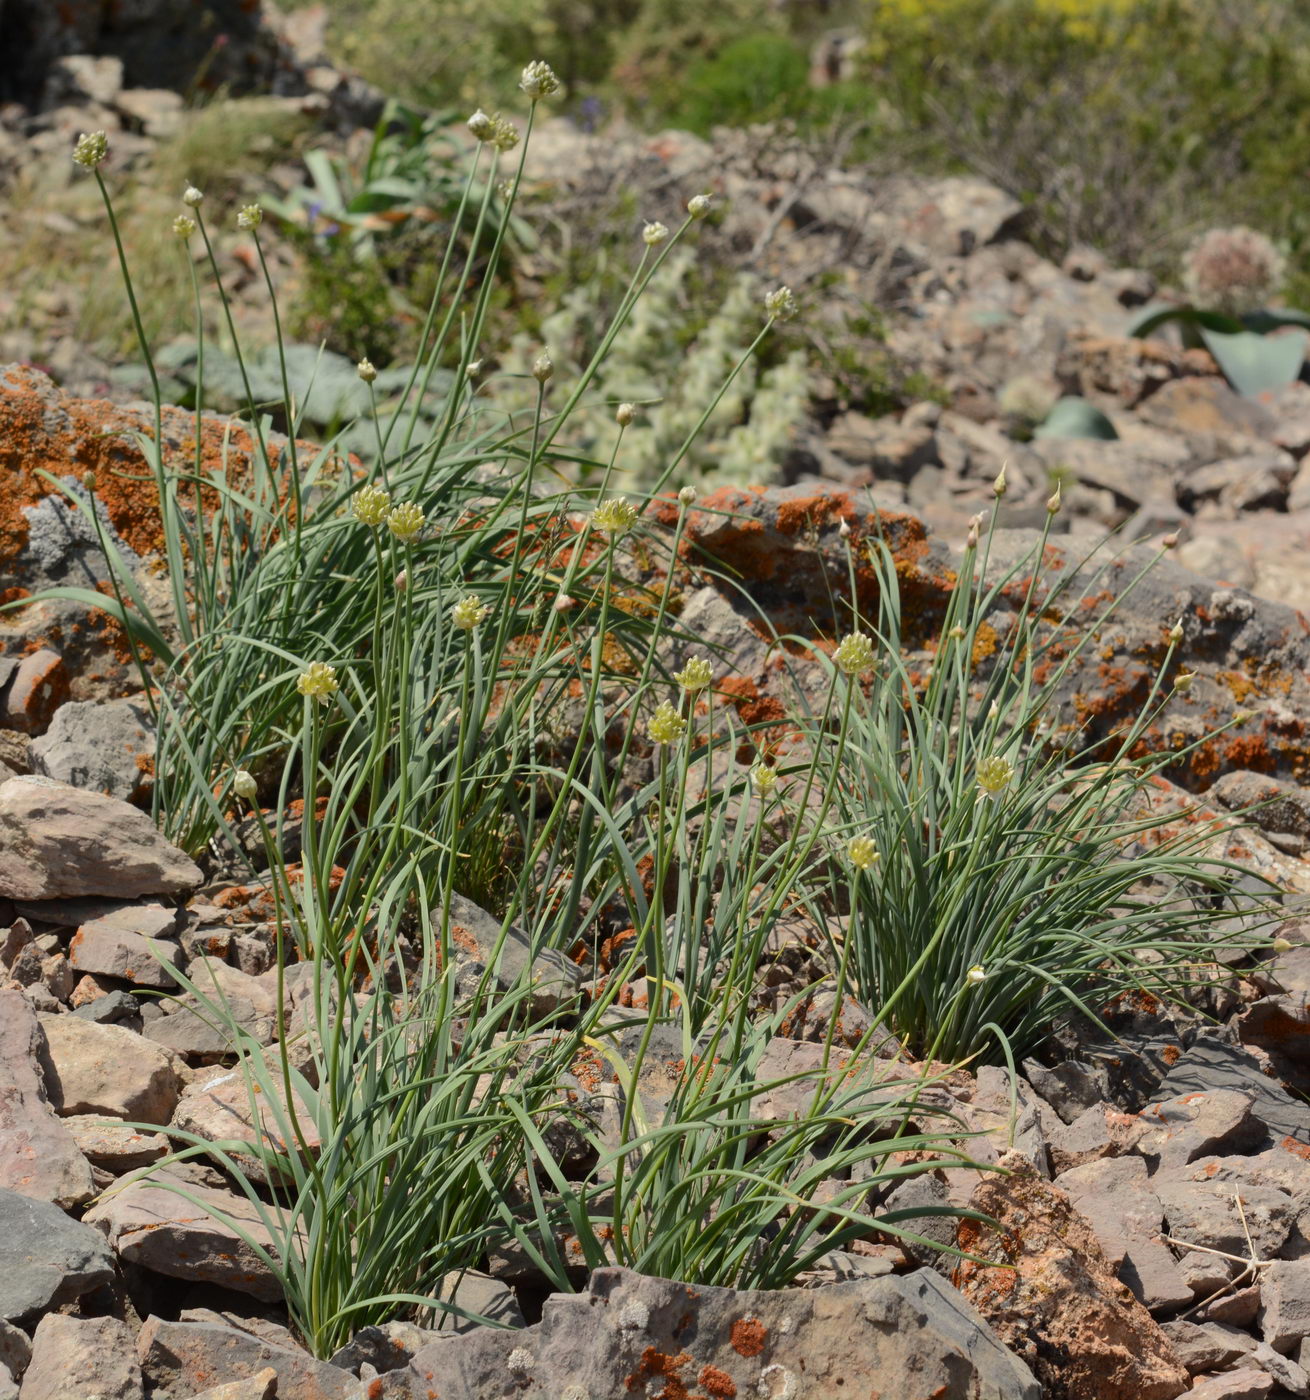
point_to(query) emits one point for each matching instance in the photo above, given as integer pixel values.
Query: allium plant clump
(446, 661)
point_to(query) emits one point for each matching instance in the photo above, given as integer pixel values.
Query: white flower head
(780, 305)
(653, 234)
(183, 226)
(977, 973)
(91, 149)
(250, 218)
(539, 80)
(764, 777)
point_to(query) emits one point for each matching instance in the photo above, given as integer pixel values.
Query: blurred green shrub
(1126, 124)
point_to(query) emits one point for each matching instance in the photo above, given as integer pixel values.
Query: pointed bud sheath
(1169, 541)
(1000, 486)
(1053, 504)
(971, 539)
(1176, 633)
(366, 370)
(844, 530)
(1184, 680)
(543, 367)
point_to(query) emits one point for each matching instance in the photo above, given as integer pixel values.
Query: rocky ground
(1156, 1223)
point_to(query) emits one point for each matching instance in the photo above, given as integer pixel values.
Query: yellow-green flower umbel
(250, 218)
(862, 852)
(616, 516)
(764, 777)
(469, 612)
(995, 774)
(695, 675)
(91, 149)
(976, 974)
(406, 520)
(318, 681)
(855, 655)
(371, 505)
(667, 726)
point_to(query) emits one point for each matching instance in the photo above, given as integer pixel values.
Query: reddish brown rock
(38, 688)
(1052, 1296)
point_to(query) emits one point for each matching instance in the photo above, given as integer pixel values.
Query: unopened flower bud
(1176, 633)
(1053, 503)
(1282, 945)
(192, 197)
(624, 414)
(89, 481)
(543, 367)
(958, 633)
(1000, 485)
(1183, 681)
(366, 370)
(401, 581)
(481, 125)
(1169, 541)
(687, 496)
(1243, 716)
(698, 206)
(473, 369)
(564, 603)
(843, 529)
(244, 785)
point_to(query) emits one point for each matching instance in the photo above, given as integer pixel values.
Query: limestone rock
(46, 1259)
(186, 1357)
(57, 840)
(630, 1335)
(162, 1230)
(105, 1069)
(105, 747)
(38, 1156)
(83, 1356)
